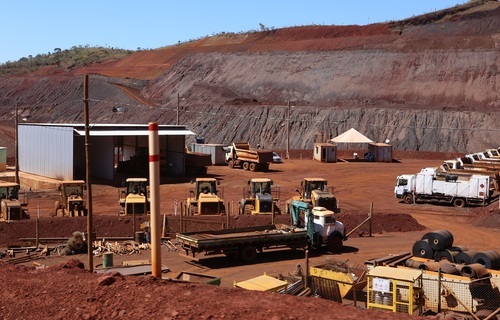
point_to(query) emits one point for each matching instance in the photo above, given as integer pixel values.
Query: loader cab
(71, 201)
(315, 191)
(205, 199)
(135, 198)
(9, 190)
(136, 186)
(259, 197)
(205, 186)
(260, 185)
(310, 184)
(10, 206)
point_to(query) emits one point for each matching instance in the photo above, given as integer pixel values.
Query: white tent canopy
(351, 136)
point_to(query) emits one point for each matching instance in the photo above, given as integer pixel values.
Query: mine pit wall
(424, 130)
(417, 95)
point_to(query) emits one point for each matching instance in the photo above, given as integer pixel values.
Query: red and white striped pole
(154, 187)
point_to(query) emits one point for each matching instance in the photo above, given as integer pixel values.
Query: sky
(31, 27)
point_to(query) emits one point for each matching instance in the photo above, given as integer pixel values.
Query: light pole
(87, 169)
(288, 132)
(17, 147)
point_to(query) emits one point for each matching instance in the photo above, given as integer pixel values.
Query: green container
(107, 260)
(140, 237)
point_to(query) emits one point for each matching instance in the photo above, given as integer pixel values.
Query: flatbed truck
(312, 227)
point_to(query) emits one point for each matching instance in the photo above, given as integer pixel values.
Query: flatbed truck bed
(242, 242)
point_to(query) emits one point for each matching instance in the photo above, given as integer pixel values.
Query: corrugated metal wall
(101, 153)
(46, 151)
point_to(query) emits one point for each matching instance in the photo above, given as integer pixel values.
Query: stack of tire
(438, 245)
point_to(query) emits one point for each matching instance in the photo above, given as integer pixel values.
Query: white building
(58, 150)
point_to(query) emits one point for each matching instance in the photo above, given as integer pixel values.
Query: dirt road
(357, 185)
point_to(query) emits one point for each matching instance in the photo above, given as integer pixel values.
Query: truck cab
(321, 225)
(404, 187)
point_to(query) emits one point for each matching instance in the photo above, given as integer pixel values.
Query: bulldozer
(205, 199)
(71, 202)
(315, 192)
(259, 197)
(11, 207)
(135, 198)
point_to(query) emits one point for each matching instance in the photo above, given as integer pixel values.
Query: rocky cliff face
(435, 102)
(430, 84)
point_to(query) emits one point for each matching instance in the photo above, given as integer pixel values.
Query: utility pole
(288, 132)
(17, 147)
(87, 169)
(178, 102)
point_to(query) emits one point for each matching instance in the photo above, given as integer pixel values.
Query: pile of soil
(67, 291)
(486, 217)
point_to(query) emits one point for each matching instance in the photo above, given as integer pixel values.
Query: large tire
(334, 244)
(408, 198)
(439, 240)
(445, 254)
(465, 257)
(245, 165)
(230, 163)
(490, 259)
(459, 203)
(252, 167)
(248, 253)
(423, 249)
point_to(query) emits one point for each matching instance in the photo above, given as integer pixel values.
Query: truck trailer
(240, 155)
(315, 227)
(430, 185)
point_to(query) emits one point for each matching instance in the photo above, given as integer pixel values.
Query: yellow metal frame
(405, 294)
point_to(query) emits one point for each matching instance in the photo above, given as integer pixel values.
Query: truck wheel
(246, 165)
(230, 163)
(408, 198)
(334, 244)
(458, 202)
(248, 253)
(252, 167)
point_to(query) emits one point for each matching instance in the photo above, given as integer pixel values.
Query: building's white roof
(102, 130)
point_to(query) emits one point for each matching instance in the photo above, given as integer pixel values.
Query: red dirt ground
(65, 290)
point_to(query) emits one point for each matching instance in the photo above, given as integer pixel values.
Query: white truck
(430, 185)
